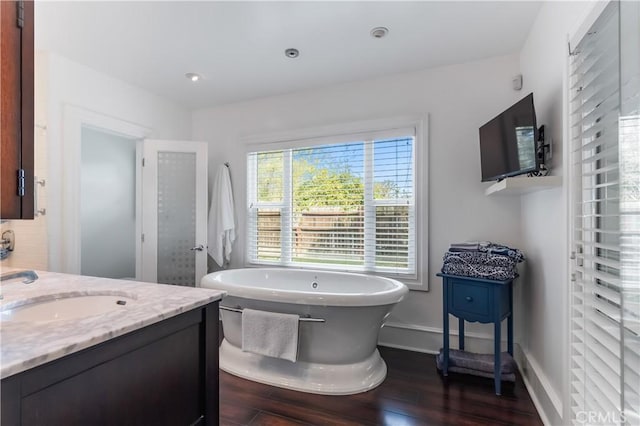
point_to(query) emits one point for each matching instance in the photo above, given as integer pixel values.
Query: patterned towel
(480, 271)
(498, 249)
(479, 258)
(488, 247)
(469, 246)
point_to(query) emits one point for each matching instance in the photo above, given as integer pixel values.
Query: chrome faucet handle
(29, 276)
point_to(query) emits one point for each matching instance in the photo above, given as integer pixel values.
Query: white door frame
(74, 119)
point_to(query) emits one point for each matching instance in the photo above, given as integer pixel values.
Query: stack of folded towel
(478, 364)
(482, 260)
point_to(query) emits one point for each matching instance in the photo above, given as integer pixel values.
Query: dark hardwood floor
(413, 394)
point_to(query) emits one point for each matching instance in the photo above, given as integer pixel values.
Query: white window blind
(346, 206)
(629, 155)
(601, 368)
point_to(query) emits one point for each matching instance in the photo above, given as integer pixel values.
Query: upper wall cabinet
(17, 109)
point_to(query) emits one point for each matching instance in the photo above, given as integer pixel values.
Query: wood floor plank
(266, 419)
(414, 393)
(225, 422)
(242, 414)
(353, 408)
(290, 409)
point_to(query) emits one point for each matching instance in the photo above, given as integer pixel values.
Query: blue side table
(477, 300)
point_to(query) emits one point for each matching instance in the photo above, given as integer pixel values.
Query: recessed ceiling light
(192, 76)
(292, 53)
(379, 32)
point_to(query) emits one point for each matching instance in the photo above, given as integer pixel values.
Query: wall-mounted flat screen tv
(508, 142)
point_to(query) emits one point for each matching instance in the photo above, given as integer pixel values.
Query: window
(344, 203)
(605, 344)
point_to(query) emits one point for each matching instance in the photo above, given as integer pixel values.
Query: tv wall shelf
(523, 185)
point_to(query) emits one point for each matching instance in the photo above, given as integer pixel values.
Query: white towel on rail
(271, 334)
(222, 225)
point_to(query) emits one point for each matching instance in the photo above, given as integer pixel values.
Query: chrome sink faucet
(29, 276)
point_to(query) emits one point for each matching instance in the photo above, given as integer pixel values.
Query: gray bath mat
(478, 364)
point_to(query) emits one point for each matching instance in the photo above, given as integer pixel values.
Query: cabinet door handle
(469, 299)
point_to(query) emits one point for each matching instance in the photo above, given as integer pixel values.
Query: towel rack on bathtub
(302, 319)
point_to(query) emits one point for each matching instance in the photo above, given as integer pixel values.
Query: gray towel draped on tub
(270, 334)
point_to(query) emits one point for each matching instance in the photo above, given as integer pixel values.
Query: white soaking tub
(340, 317)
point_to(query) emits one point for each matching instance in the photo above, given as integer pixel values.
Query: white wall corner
(545, 398)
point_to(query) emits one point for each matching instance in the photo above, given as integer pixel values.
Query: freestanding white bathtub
(341, 315)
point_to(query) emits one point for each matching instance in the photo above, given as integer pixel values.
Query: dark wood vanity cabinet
(16, 109)
(162, 374)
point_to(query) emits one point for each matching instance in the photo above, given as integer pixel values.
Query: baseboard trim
(534, 398)
(404, 336)
(436, 330)
(408, 348)
(539, 388)
(419, 338)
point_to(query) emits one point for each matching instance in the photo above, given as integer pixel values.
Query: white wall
(108, 205)
(544, 299)
(458, 99)
(74, 84)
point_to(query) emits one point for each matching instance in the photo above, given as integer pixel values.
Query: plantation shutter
(346, 206)
(629, 155)
(601, 366)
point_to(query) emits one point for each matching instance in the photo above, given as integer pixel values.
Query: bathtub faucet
(29, 276)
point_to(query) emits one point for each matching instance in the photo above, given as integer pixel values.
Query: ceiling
(238, 47)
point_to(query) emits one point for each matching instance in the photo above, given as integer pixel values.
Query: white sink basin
(66, 308)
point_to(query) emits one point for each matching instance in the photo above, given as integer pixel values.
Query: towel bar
(302, 319)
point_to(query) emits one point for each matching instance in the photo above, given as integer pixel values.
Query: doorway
(107, 204)
(131, 180)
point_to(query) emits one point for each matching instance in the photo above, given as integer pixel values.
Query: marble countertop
(25, 345)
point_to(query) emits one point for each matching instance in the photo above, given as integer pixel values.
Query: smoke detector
(292, 53)
(379, 32)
